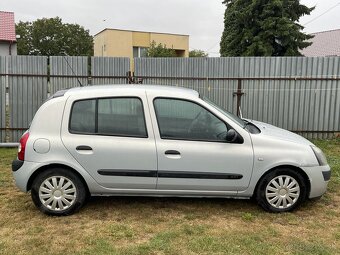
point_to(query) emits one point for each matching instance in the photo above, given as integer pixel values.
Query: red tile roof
(7, 26)
(325, 43)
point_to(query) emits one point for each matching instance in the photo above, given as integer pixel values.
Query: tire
(281, 190)
(58, 191)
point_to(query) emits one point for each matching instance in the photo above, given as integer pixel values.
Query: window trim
(186, 139)
(96, 99)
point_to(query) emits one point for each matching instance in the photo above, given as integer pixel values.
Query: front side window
(109, 116)
(185, 120)
(235, 118)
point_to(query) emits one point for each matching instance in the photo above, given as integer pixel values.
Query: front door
(192, 150)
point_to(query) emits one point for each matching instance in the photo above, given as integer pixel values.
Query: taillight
(22, 146)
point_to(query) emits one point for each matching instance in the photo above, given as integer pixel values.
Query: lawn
(130, 225)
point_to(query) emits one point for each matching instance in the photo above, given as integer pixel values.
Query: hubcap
(282, 192)
(57, 193)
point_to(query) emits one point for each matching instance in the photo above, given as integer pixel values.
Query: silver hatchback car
(160, 141)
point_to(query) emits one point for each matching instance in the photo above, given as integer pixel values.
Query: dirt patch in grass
(136, 225)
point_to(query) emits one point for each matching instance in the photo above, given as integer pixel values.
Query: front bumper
(319, 177)
(326, 175)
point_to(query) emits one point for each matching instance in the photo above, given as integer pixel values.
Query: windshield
(236, 119)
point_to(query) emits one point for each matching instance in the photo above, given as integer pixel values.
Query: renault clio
(140, 140)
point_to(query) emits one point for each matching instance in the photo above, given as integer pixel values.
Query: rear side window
(109, 116)
(83, 117)
(121, 116)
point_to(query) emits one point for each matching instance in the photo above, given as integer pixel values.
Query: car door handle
(83, 148)
(172, 152)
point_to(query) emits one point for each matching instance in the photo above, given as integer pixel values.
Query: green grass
(132, 225)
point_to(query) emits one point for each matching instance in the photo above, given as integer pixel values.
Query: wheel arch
(45, 167)
(299, 170)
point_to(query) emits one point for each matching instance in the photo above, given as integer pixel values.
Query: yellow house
(133, 44)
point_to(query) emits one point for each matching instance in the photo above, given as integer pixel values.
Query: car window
(121, 116)
(83, 116)
(186, 120)
(109, 116)
(235, 118)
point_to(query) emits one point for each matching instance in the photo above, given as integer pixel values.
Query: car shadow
(132, 204)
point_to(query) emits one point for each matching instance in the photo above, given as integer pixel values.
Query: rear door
(192, 150)
(112, 138)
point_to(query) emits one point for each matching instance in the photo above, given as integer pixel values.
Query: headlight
(319, 155)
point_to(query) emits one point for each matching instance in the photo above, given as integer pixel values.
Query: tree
(197, 54)
(159, 51)
(263, 28)
(24, 44)
(51, 37)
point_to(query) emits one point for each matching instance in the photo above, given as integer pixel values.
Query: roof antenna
(65, 54)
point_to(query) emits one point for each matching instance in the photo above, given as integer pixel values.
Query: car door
(112, 138)
(192, 150)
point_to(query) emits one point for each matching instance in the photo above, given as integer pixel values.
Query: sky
(201, 19)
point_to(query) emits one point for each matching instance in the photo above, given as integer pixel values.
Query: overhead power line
(215, 44)
(328, 10)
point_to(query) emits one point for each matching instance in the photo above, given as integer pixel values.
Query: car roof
(162, 89)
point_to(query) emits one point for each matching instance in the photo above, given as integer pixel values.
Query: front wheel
(281, 190)
(58, 191)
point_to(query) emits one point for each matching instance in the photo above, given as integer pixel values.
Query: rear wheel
(58, 191)
(281, 190)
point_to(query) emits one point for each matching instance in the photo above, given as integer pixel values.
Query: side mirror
(231, 136)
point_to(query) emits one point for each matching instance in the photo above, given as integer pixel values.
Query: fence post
(132, 79)
(239, 95)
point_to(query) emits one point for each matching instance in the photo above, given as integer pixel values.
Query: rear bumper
(23, 173)
(319, 177)
(16, 164)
